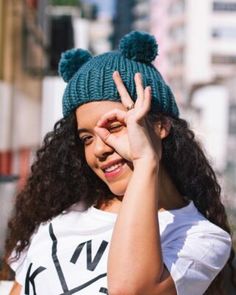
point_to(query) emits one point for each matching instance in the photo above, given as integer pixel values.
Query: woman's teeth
(113, 167)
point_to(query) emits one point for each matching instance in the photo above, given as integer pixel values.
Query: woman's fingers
(106, 136)
(125, 98)
(120, 144)
(108, 130)
(139, 90)
(143, 101)
(134, 142)
(113, 115)
(147, 99)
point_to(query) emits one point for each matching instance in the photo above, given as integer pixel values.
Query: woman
(121, 198)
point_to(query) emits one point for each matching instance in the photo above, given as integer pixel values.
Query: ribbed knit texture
(93, 82)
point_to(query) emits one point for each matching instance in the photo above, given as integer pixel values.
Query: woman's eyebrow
(80, 130)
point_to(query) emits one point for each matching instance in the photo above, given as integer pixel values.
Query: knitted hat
(90, 78)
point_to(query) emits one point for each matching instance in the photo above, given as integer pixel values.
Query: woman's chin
(119, 188)
(117, 191)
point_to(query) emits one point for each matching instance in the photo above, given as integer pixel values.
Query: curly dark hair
(60, 177)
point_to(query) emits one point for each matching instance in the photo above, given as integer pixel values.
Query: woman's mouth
(114, 170)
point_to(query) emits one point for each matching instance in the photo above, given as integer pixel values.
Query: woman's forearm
(135, 260)
(16, 289)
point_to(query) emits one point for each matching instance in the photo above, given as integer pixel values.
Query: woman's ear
(162, 128)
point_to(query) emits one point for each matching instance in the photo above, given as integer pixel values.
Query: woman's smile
(114, 169)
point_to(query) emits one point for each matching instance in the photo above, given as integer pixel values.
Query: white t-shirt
(68, 255)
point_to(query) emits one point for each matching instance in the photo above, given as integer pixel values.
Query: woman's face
(106, 163)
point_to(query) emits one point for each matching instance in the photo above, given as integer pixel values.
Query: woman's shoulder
(189, 222)
(194, 249)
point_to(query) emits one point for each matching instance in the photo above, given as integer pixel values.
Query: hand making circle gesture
(138, 142)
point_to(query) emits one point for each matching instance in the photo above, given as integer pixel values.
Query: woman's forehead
(88, 114)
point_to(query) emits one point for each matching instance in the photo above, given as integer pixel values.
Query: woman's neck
(169, 196)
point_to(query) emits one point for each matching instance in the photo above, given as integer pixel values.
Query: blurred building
(20, 86)
(85, 28)
(197, 56)
(141, 15)
(213, 118)
(209, 117)
(100, 32)
(130, 15)
(123, 20)
(230, 170)
(197, 41)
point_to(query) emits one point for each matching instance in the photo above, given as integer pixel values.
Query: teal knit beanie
(90, 78)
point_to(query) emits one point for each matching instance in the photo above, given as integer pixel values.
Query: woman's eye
(86, 139)
(115, 128)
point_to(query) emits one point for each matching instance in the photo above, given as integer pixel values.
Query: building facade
(130, 15)
(141, 14)
(20, 87)
(197, 41)
(197, 56)
(123, 20)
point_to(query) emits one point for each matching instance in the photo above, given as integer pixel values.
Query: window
(224, 6)
(224, 32)
(223, 59)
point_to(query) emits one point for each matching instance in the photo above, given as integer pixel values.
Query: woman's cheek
(89, 157)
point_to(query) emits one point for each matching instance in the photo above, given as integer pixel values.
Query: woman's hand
(136, 144)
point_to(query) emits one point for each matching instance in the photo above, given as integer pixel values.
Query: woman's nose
(101, 149)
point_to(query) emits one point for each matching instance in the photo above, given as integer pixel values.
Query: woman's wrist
(147, 162)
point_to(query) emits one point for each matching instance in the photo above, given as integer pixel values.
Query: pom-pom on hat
(90, 78)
